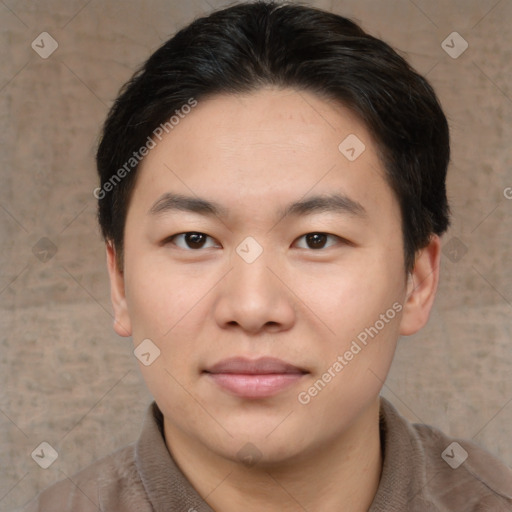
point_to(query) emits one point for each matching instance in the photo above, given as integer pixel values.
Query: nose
(255, 297)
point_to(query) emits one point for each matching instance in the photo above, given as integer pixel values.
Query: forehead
(273, 144)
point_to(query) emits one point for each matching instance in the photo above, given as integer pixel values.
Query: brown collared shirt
(423, 471)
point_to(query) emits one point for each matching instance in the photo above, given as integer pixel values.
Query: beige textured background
(68, 379)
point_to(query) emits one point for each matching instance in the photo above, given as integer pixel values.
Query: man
(272, 196)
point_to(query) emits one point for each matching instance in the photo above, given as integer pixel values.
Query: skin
(253, 154)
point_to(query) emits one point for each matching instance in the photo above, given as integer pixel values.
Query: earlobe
(122, 323)
(421, 288)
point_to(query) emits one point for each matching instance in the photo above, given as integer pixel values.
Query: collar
(402, 484)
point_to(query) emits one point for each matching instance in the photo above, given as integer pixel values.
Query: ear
(122, 323)
(421, 288)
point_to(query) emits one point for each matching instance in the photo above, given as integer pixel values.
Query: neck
(341, 474)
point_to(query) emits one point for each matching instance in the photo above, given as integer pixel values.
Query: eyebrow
(332, 203)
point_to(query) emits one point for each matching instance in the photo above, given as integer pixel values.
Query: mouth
(254, 378)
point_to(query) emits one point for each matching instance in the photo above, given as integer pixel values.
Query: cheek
(169, 307)
(364, 314)
(149, 303)
(162, 309)
(350, 297)
(159, 297)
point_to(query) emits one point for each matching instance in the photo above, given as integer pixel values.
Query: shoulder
(461, 475)
(111, 483)
(426, 470)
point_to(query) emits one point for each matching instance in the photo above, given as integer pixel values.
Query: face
(267, 268)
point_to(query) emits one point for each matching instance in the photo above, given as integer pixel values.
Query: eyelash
(170, 239)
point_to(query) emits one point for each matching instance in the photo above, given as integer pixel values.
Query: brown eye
(195, 240)
(191, 239)
(317, 240)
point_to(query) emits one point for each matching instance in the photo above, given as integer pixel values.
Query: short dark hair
(251, 45)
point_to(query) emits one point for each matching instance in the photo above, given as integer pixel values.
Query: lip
(254, 378)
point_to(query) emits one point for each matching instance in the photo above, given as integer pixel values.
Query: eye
(317, 240)
(192, 239)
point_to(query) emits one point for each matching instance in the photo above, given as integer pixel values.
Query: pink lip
(258, 378)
